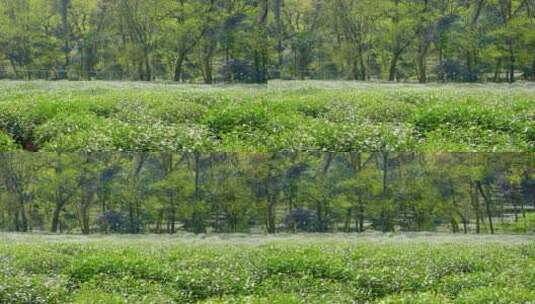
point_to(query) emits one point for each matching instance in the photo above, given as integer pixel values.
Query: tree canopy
(271, 192)
(253, 41)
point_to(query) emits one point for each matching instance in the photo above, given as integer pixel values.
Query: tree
(18, 176)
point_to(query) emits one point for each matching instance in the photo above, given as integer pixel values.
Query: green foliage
(523, 224)
(253, 41)
(309, 116)
(6, 143)
(436, 269)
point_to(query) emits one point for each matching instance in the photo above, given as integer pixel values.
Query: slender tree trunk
(197, 221)
(363, 72)
(270, 221)
(84, 219)
(454, 225)
(361, 216)
(178, 68)
(260, 52)
(347, 222)
(173, 215)
(355, 69)
(512, 60)
(515, 207)
(487, 201)
(24, 219)
(475, 203)
(422, 62)
(66, 34)
(140, 71)
(393, 67)
(16, 221)
(465, 225)
(422, 73)
(497, 71)
(159, 222)
(55, 218)
(207, 74)
(148, 69)
(278, 24)
(132, 223)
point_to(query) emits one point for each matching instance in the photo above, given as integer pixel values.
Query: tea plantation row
(306, 116)
(298, 269)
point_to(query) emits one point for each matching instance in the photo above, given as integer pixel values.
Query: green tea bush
(322, 116)
(497, 295)
(222, 120)
(255, 269)
(112, 135)
(6, 143)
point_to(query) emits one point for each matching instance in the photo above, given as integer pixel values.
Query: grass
(412, 268)
(308, 116)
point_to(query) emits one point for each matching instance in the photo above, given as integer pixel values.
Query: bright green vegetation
(253, 41)
(6, 143)
(312, 116)
(259, 269)
(518, 227)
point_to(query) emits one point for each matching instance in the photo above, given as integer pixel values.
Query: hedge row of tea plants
(296, 270)
(306, 116)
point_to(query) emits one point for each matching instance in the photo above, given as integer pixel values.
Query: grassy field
(311, 116)
(415, 268)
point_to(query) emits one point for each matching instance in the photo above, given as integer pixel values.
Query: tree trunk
(475, 203)
(515, 207)
(178, 68)
(173, 217)
(148, 69)
(24, 220)
(84, 215)
(132, 224)
(208, 77)
(159, 221)
(319, 212)
(347, 221)
(260, 66)
(278, 24)
(270, 221)
(363, 72)
(65, 34)
(421, 65)
(354, 69)
(497, 71)
(512, 60)
(454, 225)
(361, 216)
(196, 220)
(465, 225)
(422, 74)
(487, 201)
(393, 67)
(55, 218)
(471, 63)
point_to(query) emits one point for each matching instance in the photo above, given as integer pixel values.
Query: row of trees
(271, 192)
(255, 40)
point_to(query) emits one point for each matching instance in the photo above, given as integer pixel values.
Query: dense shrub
(322, 116)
